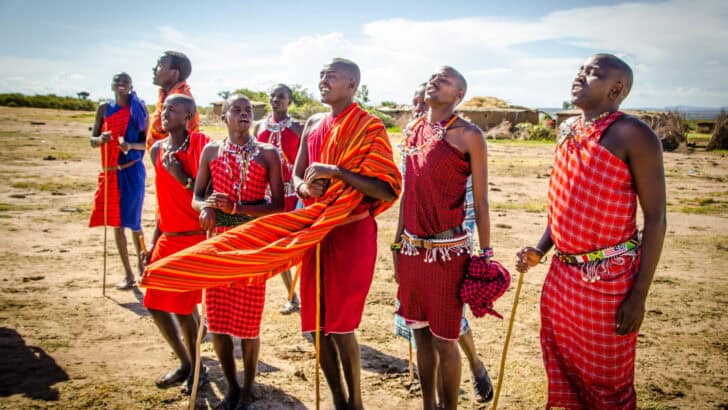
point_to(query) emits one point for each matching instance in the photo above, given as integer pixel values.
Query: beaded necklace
(436, 133)
(567, 129)
(242, 154)
(276, 128)
(182, 147)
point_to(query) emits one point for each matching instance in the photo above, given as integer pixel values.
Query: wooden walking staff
(105, 167)
(501, 373)
(198, 342)
(198, 360)
(318, 322)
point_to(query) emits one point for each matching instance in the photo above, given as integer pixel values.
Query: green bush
(46, 101)
(528, 131)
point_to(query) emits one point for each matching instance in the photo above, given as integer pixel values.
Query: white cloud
(676, 48)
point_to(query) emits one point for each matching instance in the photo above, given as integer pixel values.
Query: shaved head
(462, 84)
(183, 100)
(231, 100)
(122, 75)
(349, 67)
(622, 69)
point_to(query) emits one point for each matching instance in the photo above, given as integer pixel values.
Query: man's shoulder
(629, 130)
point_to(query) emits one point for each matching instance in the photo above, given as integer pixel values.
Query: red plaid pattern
(592, 201)
(592, 205)
(430, 292)
(225, 172)
(487, 280)
(236, 311)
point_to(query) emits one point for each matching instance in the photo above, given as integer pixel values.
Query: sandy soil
(63, 345)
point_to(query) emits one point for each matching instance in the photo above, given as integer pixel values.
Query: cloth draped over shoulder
(156, 132)
(259, 249)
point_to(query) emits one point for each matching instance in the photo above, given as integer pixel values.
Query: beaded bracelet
(396, 246)
(486, 252)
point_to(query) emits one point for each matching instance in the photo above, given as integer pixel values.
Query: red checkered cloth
(237, 311)
(486, 281)
(592, 205)
(434, 196)
(116, 124)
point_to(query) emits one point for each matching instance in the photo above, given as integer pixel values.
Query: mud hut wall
(486, 119)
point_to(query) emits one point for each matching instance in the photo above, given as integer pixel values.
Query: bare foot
(126, 284)
(172, 378)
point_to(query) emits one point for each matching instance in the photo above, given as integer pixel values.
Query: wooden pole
(294, 281)
(318, 322)
(411, 366)
(106, 213)
(501, 373)
(198, 360)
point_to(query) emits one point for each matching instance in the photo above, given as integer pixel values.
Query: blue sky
(524, 52)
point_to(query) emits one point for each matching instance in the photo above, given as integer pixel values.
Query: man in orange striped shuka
(347, 175)
(349, 251)
(593, 299)
(170, 74)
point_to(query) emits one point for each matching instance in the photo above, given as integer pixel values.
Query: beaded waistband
(590, 262)
(436, 247)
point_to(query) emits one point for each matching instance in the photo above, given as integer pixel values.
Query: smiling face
(444, 88)
(238, 115)
(121, 85)
(280, 100)
(175, 114)
(164, 74)
(336, 84)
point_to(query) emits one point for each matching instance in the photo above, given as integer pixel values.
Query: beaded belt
(438, 245)
(122, 166)
(228, 220)
(600, 254)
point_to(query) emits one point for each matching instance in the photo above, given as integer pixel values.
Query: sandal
(172, 378)
(189, 382)
(483, 387)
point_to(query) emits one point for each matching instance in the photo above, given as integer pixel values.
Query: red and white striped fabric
(592, 205)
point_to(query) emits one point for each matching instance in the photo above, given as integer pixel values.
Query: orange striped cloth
(156, 132)
(269, 245)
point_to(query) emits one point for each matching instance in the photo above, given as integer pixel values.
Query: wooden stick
(501, 373)
(106, 216)
(411, 366)
(294, 281)
(318, 322)
(198, 360)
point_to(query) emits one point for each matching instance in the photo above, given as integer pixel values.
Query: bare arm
(97, 139)
(478, 150)
(644, 158)
(199, 193)
(299, 169)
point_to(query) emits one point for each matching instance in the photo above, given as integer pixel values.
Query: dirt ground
(63, 345)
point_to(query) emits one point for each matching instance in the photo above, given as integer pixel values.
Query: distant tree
(257, 96)
(390, 104)
(224, 94)
(362, 96)
(83, 95)
(567, 105)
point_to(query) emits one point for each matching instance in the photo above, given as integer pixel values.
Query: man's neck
(168, 87)
(339, 107)
(440, 113)
(239, 138)
(279, 116)
(591, 113)
(177, 136)
(122, 100)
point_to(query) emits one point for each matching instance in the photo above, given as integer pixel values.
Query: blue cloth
(132, 179)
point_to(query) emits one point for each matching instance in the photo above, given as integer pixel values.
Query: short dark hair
(285, 88)
(230, 100)
(186, 100)
(180, 62)
(350, 67)
(122, 74)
